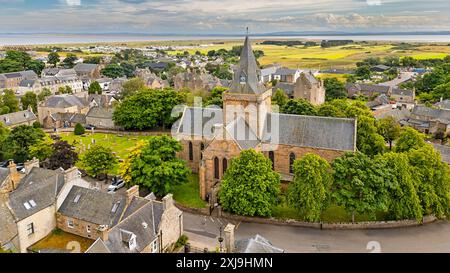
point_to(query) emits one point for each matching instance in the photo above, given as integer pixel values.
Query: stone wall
(171, 225)
(80, 227)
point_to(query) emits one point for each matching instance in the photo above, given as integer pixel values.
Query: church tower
(248, 97)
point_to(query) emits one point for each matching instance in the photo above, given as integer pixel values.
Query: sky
(222, 16)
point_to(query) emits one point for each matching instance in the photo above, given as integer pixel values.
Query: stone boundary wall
(317, 225)
(103, 131)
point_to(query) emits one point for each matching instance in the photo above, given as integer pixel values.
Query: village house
(53, 109)
(443, 104)
(368, 90)
(403, 95)
(101, 118)
(429, 120)
(147, 226)
(195, 81)
(13, 80)
(33, 200)
(151, 80)
(268, 72)
(88, 71)
(26, 117)
(247, 122)
(306, 87)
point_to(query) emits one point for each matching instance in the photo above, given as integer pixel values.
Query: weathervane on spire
(247, 31)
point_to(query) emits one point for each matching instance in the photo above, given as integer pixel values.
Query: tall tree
(41, 149)
(63, 156)
(298, 107)
(53, 58)
(409, 139)
(359, 184)
(29, 99)
(17, 143)
(113, 71)
(95, 88)
(311, 189)
(98, 160)
(69, 61)
(279, 98)
(389, 129)
(157, 167)
(132, 86)
(250, 186)
(368, 140)
(10, 100)
(334, 89)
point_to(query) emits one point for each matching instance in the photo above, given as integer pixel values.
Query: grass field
(188, 194)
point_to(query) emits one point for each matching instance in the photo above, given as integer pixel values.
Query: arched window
(216, 168)
(272, 158)
(191, 151)
(291, 163)
(202, 147)
(224, 165)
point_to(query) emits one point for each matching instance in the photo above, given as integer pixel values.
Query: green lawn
(120, 145)
(188, 194)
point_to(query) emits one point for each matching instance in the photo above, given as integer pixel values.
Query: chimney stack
(13, 174)
(167, 201)
(229, 238)
(104, 232)
(29, 165)
(131, 193)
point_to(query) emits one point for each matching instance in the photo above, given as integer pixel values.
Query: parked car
(19, 166)
(117, 183)
(89, 127)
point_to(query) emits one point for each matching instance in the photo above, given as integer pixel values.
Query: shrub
(79, 129)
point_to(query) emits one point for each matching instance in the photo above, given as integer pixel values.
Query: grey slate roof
(12, 119)
(64, 101)
(257, 244)
(144, 224)
(93, 206)
(248, 68)
(402, 92)
(309, 77)
(397, 114)
(98, 247)
(288, 88)
(310, 131)
(83, 67)
(441, 114)
(8, 227)
(101, 112)
(445, 104)
(241, 132)
(368, 88)
(4, 173)
(194, 117)
(135, 204)
(285, 71)
(40, 185)
(445, 152)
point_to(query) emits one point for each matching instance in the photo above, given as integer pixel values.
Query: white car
(117, 183)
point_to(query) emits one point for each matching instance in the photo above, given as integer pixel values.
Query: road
(404, 76)
(433, 237)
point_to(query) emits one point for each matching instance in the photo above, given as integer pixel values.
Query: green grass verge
(188, 194)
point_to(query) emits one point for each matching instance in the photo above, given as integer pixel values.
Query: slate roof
(143, 223)
(241, 132)
(368, 88)
(64, 101)
(288, 88)
(445, 104)
(310, 131)
(248, 68)
(269, 70)
(93, 206)
(98, 247)
(441, 114)
(257, 244)
(309, 77)
(100, 112)
(8, 227)
(12, 119)
(83, 67)
(396, 113)
(402, 92)
(195, 120)
(445, 152)
(285, 71)
(40, 185)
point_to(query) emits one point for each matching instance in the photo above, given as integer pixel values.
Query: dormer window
(132, 243)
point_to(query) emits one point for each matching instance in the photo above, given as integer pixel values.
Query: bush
(79, 130)
(37, 125)
(182, 241)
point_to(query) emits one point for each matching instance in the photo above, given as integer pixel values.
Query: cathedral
(211, 136)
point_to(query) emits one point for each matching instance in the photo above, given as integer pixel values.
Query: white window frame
(154, 246)
(30, 229)
(88, 229)
(69, 225)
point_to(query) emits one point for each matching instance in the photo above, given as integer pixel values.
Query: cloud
(73, 2)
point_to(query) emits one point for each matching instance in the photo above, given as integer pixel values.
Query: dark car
(89, 127)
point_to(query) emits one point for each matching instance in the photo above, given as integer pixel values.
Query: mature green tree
(368, 140)
(44, 94)
(41, 149)
(359, 184)
(298, 107)
(113, 71)
(79, 129)
(63, 156)
(157, 167)
(334, 89)
(36, 66)
(250, 187)
(404, 202)
(29, 99)
(433, 180)
(93, 60)
(95, 88)
(4, 132)
(279, 98)
(363, 72)
(8, 65)
(10, 100)
(69, 61)
(128, 69)
(329, 110)
(17, 144)
(132, 86)
(216, 96)
(389, 129)
(409, 139)
(147, 109)
(98, 160)
(53, 58)
(311, 189)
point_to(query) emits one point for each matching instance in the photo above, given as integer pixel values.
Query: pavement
(432, 238)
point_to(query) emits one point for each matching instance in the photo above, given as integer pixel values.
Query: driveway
(203, 231)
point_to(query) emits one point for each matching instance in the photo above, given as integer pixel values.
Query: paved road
(404, 76)
(428, 238)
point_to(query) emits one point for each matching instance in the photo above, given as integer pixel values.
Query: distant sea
(43, 39)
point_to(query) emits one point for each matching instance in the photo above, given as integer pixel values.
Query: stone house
(211, 137)
(53, 106)
(429, 120)
(286, 75)
(88, 71)
(268, 72)
(87, 211)
(13, 80)
(195, 81)
(35, 200)
(309, 88)
(403, 95)
(11, 120)
(147, 226)
(101, 117)
(368, 90)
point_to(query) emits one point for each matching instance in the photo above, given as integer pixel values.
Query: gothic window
(202, 147)
(191, 151)
(272, 158)
(224, 165)
(291, 163)
(216, 168)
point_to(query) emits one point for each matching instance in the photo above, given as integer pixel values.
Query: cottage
(309, 88)
(26, 117)
(101, 118)
(89, 71)
(13, 80)
(195, 81)
(368, 90)
(286, 75)
(429, 120)
(53, 106)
